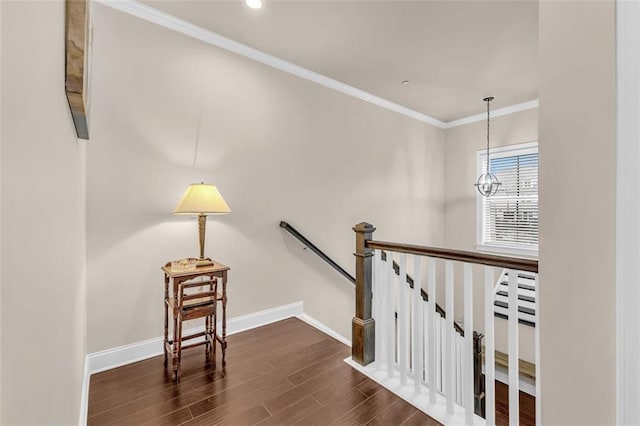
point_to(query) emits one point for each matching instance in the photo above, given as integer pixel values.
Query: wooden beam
(77, 63)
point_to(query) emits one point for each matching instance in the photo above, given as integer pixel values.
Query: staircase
(526, 298)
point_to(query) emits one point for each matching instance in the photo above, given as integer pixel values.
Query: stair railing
(407, 347)
(477, 338)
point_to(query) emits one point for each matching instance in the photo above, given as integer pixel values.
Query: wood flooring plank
(338, 389)
(236, 369)
(218, 410)
(243, 391)
(420, 419)
(312, 353)
(369, 409)
(249, 417)
(341, 373)
(320, 367)
(185, 392)
(142, 410)
(333, 409)
(368, 387)
(527, 407)
(292, 413)
(174, 418)
(284, 373)
(146, 375)
(397, 413)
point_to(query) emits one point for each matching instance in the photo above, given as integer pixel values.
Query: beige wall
(278, 147)
(1, 399)
(461, 146)
(42, 222)
(577, 190)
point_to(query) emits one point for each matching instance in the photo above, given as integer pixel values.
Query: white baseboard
(127, 354)
(326, 330)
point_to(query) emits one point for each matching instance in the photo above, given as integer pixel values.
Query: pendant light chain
(488, 121)
(488, 184)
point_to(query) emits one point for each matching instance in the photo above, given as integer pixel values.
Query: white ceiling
(453, 52)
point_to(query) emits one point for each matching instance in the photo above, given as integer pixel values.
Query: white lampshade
(202, 198)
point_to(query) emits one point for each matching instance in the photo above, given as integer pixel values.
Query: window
(508, 221)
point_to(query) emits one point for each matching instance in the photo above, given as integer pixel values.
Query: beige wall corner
(42, 222)
(278, 147)
(1, 210)
(461, 146)
(627, 212)
(577, 190)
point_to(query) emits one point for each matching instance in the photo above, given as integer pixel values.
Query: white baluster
(403, 321)
(459, 369)
(489, 345)
(439, 347)
(378, 307)
(431, 313)
(417, 322)
(537, 355)
(425, 339)
(450, 354)
(468, 344)
(390, 321)
(514, 357)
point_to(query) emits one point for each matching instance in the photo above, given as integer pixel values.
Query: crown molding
(495, 113)
(150, 14)
(165, 20)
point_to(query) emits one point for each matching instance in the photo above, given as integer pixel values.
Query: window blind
(510, 217)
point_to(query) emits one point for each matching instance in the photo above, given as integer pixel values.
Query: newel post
(363, 331)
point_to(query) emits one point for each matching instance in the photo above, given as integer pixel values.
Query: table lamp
(202, 199)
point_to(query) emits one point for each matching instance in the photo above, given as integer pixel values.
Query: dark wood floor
(527, 407)
(283, 373)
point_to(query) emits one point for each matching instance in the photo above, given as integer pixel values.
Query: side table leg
(177, 333)
(166, 319)
(215, 326)
(224, 319)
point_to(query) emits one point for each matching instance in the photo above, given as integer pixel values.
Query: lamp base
(202, 262)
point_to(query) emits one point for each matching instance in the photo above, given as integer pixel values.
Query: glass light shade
(488, 184)
(201, 198)
(254, 4)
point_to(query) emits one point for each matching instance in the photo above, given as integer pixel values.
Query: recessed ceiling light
(254, 4)
(405, 82)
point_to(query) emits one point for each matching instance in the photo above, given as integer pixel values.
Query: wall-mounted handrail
(293, 231)
(304, 240)
(529, 265)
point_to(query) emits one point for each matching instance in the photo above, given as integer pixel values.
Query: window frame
(501, 152)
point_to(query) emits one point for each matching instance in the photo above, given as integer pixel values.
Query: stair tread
(520, 286)
(521, 275)
(520, 308)
(520, 296)
(520, 320)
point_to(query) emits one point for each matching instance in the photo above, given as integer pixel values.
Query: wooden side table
(170, 303)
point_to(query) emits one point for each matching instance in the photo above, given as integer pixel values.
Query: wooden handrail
(293, 231)
(529, 265)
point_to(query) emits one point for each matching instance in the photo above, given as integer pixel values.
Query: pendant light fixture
(487, 183)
